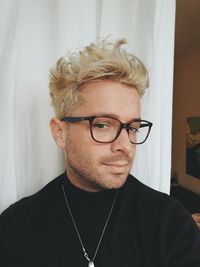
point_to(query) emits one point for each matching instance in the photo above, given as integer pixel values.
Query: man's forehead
(109, 98)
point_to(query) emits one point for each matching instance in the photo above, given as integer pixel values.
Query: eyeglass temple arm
(75, 119)
(149, 124)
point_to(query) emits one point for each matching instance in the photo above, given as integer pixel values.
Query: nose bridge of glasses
(124, 126)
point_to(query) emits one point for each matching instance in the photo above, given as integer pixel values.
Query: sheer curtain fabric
(34, 34)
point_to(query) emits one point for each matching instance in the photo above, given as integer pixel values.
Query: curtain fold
(149, 28)
(34, 34)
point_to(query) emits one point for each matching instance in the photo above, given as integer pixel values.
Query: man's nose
(122, 143)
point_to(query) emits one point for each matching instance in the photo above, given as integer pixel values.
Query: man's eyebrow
(113, 115)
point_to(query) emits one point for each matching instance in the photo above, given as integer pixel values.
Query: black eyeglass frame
(122, 126)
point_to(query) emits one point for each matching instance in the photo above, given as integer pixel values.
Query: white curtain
(34, 34)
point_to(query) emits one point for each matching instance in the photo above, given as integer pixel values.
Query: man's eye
(101, 125)
(133, 129)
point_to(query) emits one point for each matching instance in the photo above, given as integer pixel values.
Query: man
(96, 214)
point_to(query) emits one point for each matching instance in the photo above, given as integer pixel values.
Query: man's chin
(115, 181)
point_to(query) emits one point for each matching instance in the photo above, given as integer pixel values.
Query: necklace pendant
(91, 264)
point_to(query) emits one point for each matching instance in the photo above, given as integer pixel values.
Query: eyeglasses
(105, 129)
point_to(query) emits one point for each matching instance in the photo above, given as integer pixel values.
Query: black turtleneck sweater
(146, 228)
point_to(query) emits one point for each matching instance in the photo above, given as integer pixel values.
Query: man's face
(95, 166)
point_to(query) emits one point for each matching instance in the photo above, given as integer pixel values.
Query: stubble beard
(86, 173)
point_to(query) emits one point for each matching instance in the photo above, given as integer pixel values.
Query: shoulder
(168, 222)
(36, 203)
(153, 203)
(145, 193)
(29, 219)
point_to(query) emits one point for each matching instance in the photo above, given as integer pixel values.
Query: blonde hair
(102, 60)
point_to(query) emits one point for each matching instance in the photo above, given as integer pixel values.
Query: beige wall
(186, 104)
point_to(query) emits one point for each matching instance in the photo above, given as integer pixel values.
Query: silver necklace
(90, 261)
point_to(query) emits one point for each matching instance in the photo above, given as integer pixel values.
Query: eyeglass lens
(106, 129)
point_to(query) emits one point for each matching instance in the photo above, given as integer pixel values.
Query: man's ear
(58, 130)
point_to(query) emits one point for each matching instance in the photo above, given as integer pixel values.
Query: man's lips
(117, 164)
